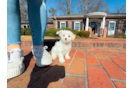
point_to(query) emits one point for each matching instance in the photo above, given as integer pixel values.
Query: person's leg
(37, 13)
(13, 24)
(15, 65)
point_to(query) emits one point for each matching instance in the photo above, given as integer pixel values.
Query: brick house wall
(120, 26)
(69, 23)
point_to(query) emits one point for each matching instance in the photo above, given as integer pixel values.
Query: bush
(25, 31)
(51, 32)
(84, 34)
(22, 31)
(77, 36)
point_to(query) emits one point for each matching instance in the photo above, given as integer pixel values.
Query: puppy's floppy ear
(59, 32)
(73, 36)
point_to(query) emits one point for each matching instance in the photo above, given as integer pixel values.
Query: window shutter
(66, 23)
(124, 27)
(89, 25)
(72, 25)
(116, 27)
(81, 23)
(58, 24)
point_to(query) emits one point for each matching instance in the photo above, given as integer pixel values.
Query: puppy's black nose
(65, 38)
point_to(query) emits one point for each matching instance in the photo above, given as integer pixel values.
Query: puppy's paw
(62, 61)
(67, 57)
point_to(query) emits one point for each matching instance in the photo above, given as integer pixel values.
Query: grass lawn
(25, 37)
(116, 36)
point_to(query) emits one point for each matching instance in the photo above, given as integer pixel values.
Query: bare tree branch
(121, 9)
(23, 10)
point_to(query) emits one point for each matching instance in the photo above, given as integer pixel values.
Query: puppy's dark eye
(68, 35)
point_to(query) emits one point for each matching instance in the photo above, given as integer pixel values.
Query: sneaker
(15, 65)
(42, 56)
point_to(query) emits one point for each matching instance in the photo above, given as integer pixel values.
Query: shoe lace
(40, 50)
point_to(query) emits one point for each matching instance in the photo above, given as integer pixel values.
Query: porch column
(103, 26)
(87, 23)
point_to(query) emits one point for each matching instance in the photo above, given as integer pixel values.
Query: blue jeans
(37, 14)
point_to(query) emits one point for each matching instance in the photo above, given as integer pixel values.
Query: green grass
(109, 36)
(124, 36)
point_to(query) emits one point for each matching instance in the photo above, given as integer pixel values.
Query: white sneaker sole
(40, 63)
(13, 72)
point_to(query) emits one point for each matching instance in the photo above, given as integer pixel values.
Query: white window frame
(114, 24)
(79, 25)
(63, 22)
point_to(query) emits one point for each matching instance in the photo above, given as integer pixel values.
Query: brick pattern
(93, 68)
(69, 23)
(120, 26)
(100, 44)
(83, 43)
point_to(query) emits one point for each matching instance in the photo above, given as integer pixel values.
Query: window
(77, 26)
(62, 24)
(111, 25)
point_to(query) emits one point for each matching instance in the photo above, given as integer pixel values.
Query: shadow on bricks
(52, 74)
(27, 59)
(50, 43)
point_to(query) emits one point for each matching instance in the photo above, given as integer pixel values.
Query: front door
(111, 28)
(94, 28)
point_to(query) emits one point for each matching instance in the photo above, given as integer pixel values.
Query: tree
(121, 9)
(63, 6)
(23, 10)
(52, 11)
(68, 6)
(86, 6)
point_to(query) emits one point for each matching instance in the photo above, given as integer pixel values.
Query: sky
(112, 4)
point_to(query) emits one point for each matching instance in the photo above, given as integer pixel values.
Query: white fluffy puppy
(63, 47)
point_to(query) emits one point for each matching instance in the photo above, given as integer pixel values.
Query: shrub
(51, 32)
(84, 34)
(77, 36)
(22, 31)
(27, 32)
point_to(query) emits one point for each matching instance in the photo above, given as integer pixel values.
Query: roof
(83, 15)
(49, 20)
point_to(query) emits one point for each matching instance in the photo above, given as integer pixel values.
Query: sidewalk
(87, 68)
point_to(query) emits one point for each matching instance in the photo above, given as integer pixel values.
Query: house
(115, 23)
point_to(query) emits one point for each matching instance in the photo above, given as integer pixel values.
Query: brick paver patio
(87, 68)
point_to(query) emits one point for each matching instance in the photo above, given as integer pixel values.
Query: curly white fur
(63, 47)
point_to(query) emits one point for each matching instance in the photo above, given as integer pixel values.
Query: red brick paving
(92, 60)
(73, 82)
(119, 62)
(77, 67)
(113, 70)
(112, 62)
(79, 55)
(120, 84)
(97, 78)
